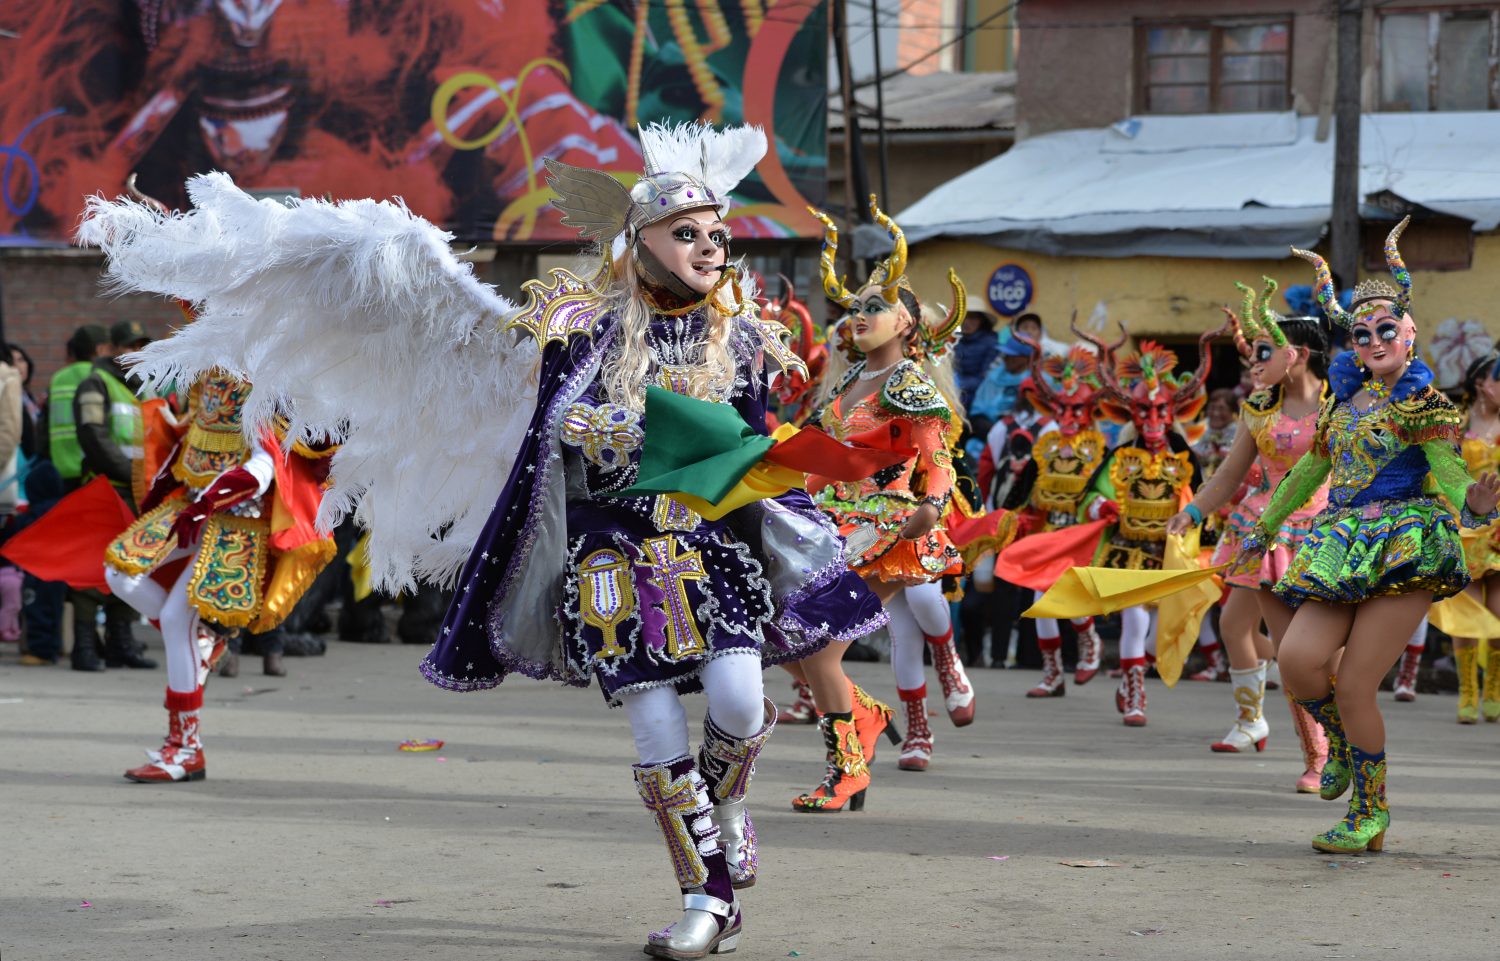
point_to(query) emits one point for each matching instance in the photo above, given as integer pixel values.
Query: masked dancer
(556, 576)
(891, 520)
(1383, 550)
(1278, 423)
(1143, 481)
(1065, 457)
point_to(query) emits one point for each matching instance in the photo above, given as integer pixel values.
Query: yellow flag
(1179, 614)
(1088, 591)
(1463, 615)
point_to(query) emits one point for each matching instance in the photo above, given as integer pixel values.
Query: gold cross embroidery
(672, 571)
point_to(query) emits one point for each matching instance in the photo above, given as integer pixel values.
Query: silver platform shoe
(708, 926)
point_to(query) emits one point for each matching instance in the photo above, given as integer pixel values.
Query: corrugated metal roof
(938, 101)
(1244, 185)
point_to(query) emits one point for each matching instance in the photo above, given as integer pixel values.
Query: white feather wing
(356, 321)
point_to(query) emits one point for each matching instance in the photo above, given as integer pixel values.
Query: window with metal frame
(1445, 59)
(1223, 65)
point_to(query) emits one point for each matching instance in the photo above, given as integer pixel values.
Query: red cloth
(67, 543)
(1037, 561)
(825, 460)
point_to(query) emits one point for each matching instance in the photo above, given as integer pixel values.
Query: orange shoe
(872, 718)
(848, 776)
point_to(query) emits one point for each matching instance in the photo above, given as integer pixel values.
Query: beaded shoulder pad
(1260, 407)
(911, 393)
(1426, 415)
(557, 310)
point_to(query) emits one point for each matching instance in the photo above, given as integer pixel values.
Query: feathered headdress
(1149, 373)
(1367, 292)
(1057, 381)
(687, 166)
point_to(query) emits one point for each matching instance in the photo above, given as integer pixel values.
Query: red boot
(958, 695)
(1052, 683)
(1216, 668)
(1130, 696)
(916, 750)
(1405, 684)
(1090, 648)
(181, 755)
(801, 710)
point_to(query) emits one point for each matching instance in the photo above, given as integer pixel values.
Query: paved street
(522, 839)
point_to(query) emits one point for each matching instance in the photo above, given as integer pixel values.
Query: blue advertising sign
(1010, 289)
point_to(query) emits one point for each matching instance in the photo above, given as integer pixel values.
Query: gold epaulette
(1424, 416)
(556, 311)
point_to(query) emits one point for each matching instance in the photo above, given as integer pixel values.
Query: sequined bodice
(214, 442)
(1369, 462)
(1282, 441)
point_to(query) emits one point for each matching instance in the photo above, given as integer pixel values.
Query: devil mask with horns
(1142, 389)
(1072, 402)
(793, 388)
(886, 306)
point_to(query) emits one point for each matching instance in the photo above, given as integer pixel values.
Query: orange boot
(848, 776)
(871, 719)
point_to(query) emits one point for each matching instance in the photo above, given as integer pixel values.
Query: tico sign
(1010, 289)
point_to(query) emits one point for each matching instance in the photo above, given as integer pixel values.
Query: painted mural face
(247, 19)
(692, 245)
(873, 321)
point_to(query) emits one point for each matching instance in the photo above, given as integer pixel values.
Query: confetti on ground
(1095, 863)
(794, 954)
(999, 857)
(420, 744)
(85, 904)
(1148, 932)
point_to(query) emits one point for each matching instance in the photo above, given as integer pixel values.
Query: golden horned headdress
(933, 341)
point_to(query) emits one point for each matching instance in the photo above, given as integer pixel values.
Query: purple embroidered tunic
(570, 583)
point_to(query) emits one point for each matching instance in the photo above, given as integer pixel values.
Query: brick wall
(45, 296)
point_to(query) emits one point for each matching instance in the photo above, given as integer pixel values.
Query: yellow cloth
(359, 568)
(1180, 614)
(764, 480)
(1087, 591)
(1462, 615)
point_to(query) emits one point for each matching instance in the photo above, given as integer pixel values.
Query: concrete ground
(522, 839)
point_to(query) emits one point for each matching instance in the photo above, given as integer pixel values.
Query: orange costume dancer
(892, 521)
(226, 540)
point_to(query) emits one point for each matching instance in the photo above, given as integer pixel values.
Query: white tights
(1137, 632)
(736, 700)
(179, 622)
(916, 613)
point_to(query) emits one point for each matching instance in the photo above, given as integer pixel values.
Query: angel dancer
(1288, 362)
(556, 578)
(891, 520)
(1142, 481)
(1063, 460)
(1375, 560)
(226, 540)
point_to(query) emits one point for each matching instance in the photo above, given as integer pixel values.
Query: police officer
(110, 431)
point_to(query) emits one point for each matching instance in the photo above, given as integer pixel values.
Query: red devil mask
(1142, 388)
(1072, 401)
